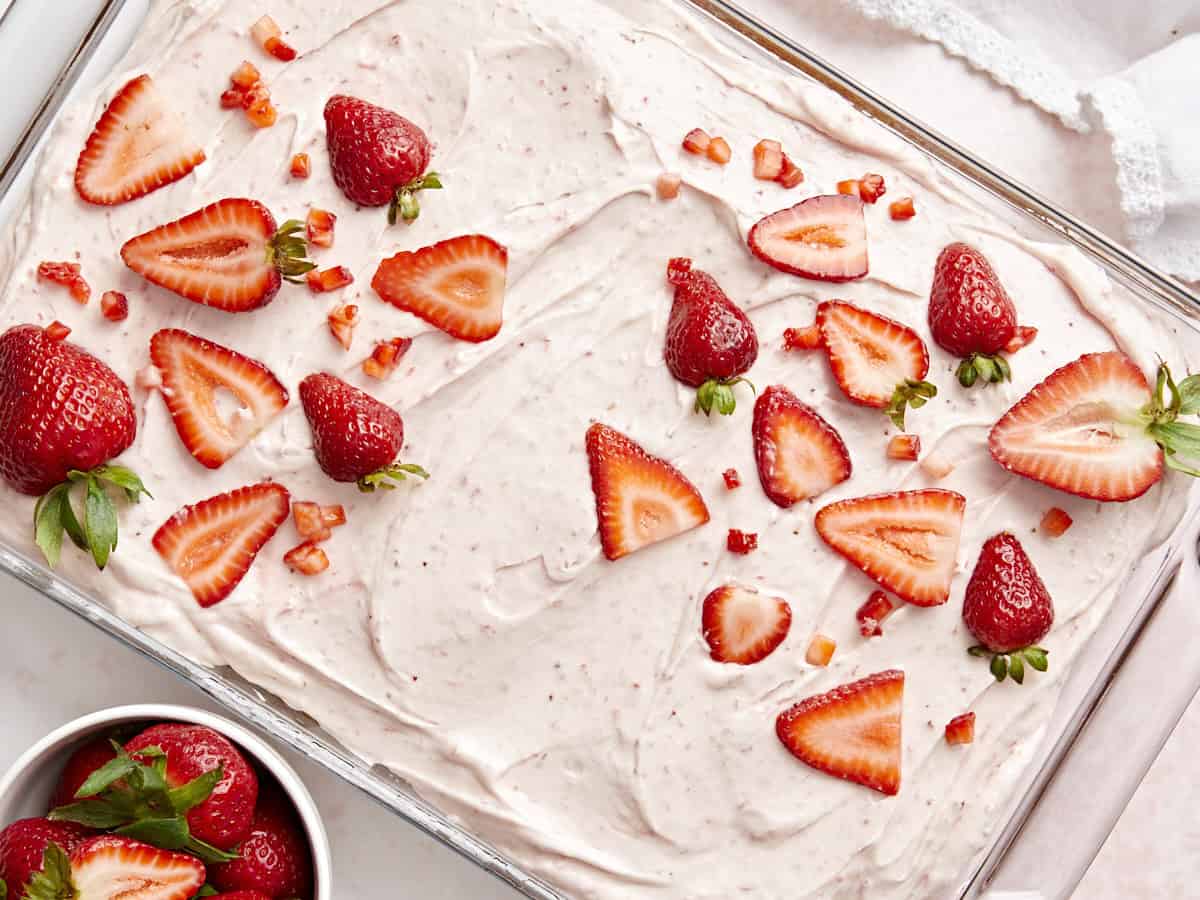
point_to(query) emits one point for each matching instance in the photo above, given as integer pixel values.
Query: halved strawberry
(799, 454)
(228, 255)
(456, 285)
(877, 361)
(640, 499)
(139, 145)
(823, 237)
(1094, 428)
(906, 541)
(211, 544)
(109, 866)
(851, 732)
(193, 370)
(743, 626)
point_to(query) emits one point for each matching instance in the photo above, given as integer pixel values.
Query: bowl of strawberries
(157, 802)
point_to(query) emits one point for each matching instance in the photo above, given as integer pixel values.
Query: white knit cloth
(1129, 69)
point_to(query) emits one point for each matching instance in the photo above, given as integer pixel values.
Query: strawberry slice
(851, 732)
(823, 237)
(906, 541)
(877, 361)
(228, 255)
(1092, 428)
(193, 370)
(743, 626)
(111, 866)
(799, 454)
(211, 544)
(640, 499)
(139, 145)
(456, 285)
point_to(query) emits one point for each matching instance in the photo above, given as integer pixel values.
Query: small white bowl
(26, 788)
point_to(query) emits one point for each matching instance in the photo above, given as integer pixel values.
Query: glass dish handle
(1158, 679)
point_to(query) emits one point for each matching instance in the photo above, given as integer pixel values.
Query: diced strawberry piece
(640, 499)
(1023, 338)
(871, 614)
(807, 338)
(718, 151)
(902, 209)
(256, 93)
(245, 76)
(732, 479)
(114, 306)
(193, 371)
(211, 544)
(904, 446)
(876, 361)
(140, 144)
(111, 866)
(386, 357)
(1055, 522)
(233, 98)
(279, 49)
(696, 141)
(319, 227)
(937, 467)
(57, 331)
(742, 542)
(905, 541)
(871, 187)
(743, 626)
(342, 321)
(1078, 431)
(768, 160)
(301, 167)
(678, 269)
(851, 732)
(332, 279)
(66, 274)
(307, 559)
(333, 515)
(790, 175)
(261, 113)
(849, 187)
(263, 30)
(310, 521)
(823, 237)
(456, 285)
(226, 255)
(820, 650)
(667, 185)
(961, 729)
(799, 454)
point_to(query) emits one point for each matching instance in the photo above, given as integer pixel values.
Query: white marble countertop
(54, 667)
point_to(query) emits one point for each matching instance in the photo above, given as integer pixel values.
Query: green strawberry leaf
(195, 791)
(98, 814)
(384, 477)
(54, 881)
(1016, 668)
(207, 891)
(99, 522)
(909, 393)
(107, 775)
(1036, 657)
(4, 890)
(999, 667)
(1189, 396)
(48, 522)
(979, 651)
(124, 478)
(207, 853)
(168, 833)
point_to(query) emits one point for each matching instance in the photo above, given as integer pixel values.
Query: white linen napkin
(1130, 71)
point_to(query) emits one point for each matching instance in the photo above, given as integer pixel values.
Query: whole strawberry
(1007, 608)
(63, 415)
(355, 437)
(275, 858)
(970, 314)
(378, 156)
(710, 341)
(23, 849)
(192, 751)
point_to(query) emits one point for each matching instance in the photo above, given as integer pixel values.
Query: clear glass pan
(72, 62)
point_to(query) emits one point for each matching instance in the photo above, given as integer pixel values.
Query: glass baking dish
(76, 50)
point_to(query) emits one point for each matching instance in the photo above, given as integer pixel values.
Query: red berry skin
(353, 433)
(275, 859)
(60, 409)
(23, 845)
(969, 310)
(372, 150)
(1006, 607)
(81, 764)
(242, 895)
(708, 336)
(224, 819)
